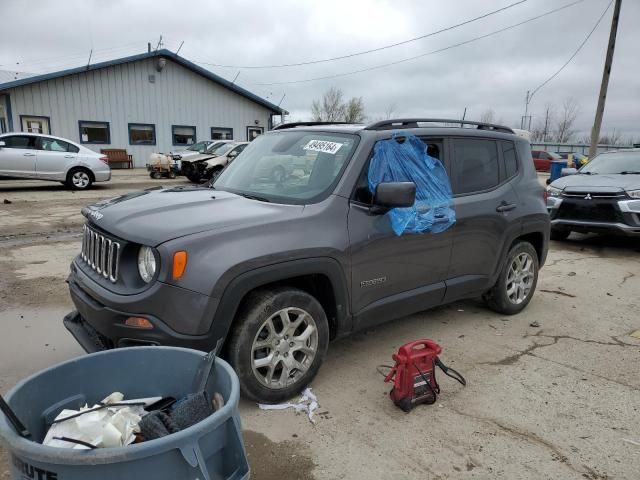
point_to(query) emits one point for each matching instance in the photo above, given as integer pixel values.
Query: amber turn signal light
(138, 322)
(179, 264)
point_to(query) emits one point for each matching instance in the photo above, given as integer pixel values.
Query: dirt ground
(557, 400)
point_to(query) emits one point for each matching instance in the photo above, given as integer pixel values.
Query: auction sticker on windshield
(323, 146)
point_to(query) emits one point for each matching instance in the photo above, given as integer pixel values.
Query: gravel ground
(560, 400)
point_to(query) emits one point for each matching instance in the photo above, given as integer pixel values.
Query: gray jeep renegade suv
(267, 269)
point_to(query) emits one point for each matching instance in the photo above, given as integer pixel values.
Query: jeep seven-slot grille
(100, 253)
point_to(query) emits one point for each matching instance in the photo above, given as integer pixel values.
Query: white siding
(122, 94)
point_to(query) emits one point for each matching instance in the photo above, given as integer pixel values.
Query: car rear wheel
(557, 234)
(517, 281)
(278, 343)
(79, 178)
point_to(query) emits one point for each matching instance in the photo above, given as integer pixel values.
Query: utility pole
(595, 131)
(526, 118)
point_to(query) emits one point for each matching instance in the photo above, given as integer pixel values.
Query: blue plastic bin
(210, 450)
(556, 169)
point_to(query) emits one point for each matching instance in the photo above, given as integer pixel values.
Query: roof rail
(413, 123)
(284, 126)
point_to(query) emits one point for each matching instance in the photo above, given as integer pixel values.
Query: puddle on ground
(277, 460)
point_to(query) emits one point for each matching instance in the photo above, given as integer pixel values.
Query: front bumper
(612, 216)
(99, 320)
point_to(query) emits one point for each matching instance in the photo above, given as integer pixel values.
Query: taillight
(545, 195)
(104, 159)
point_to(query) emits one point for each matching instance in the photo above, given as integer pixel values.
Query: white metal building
(152, 102)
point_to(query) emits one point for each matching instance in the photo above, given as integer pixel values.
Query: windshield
(222, 149)
(198, 147)
(289, 166)
(614, 162)
(212, 146)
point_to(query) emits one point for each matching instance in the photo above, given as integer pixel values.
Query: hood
(154, 216)
(200, 157)
(609, 182)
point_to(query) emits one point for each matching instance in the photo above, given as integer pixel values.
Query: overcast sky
(495, 72)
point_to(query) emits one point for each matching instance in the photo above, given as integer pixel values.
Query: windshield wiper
(629, 172)
(587, 173)
(253, 197)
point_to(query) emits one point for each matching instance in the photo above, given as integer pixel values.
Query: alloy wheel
(284, 348)
(520, 278)
(80, 179)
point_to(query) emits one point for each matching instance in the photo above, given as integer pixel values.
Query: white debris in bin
(108, 427)
(308, 403)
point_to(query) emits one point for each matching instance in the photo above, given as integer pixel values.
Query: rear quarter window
(510, 159)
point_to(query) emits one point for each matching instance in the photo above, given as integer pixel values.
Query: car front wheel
(278, 343)
(517, 281)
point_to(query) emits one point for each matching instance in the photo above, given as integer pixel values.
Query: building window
(254, 132)
(142, 134)
(183, 135)
(221, 133)
(35, 124)
(94, 132)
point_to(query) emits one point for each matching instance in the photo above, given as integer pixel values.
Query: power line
(384, 65)
(574, 53)
(364, 52)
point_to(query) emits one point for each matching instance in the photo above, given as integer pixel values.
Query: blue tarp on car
(404, 158)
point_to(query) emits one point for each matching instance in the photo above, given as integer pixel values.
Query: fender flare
(240, 285)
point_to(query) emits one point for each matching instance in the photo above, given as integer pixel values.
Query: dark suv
(267, 271)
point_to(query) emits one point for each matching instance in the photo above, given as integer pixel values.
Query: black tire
(171, 174)
(79, 178)
(559, 235)
(498, 298)
(194, 178)
(250, 326)
(155, 175)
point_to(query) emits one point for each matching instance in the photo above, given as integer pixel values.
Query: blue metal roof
(134, 58)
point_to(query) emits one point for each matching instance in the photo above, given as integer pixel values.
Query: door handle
(69, 156)
(29, 154)
(505, 207)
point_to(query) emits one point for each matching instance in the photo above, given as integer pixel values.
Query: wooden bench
(118, 155)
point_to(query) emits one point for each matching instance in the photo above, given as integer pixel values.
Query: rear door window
(55, 145)
(474, 165)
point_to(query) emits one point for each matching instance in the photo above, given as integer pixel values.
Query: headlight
(146, 263)
(633, 193)
(553, 191)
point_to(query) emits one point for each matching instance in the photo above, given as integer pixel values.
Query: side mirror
(568, 171)
(390, 195)
(2, 144)
(232, 155)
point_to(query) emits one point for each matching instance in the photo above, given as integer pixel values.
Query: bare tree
(564, 124)
(354, 110)
(488, 116)
(613, 138)
(388, 112)
(541, 132)
(330, 108)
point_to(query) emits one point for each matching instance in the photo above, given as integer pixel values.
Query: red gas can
(414, 376)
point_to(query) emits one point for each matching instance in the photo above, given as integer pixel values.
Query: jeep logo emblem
(588, 197)
(95, 214)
